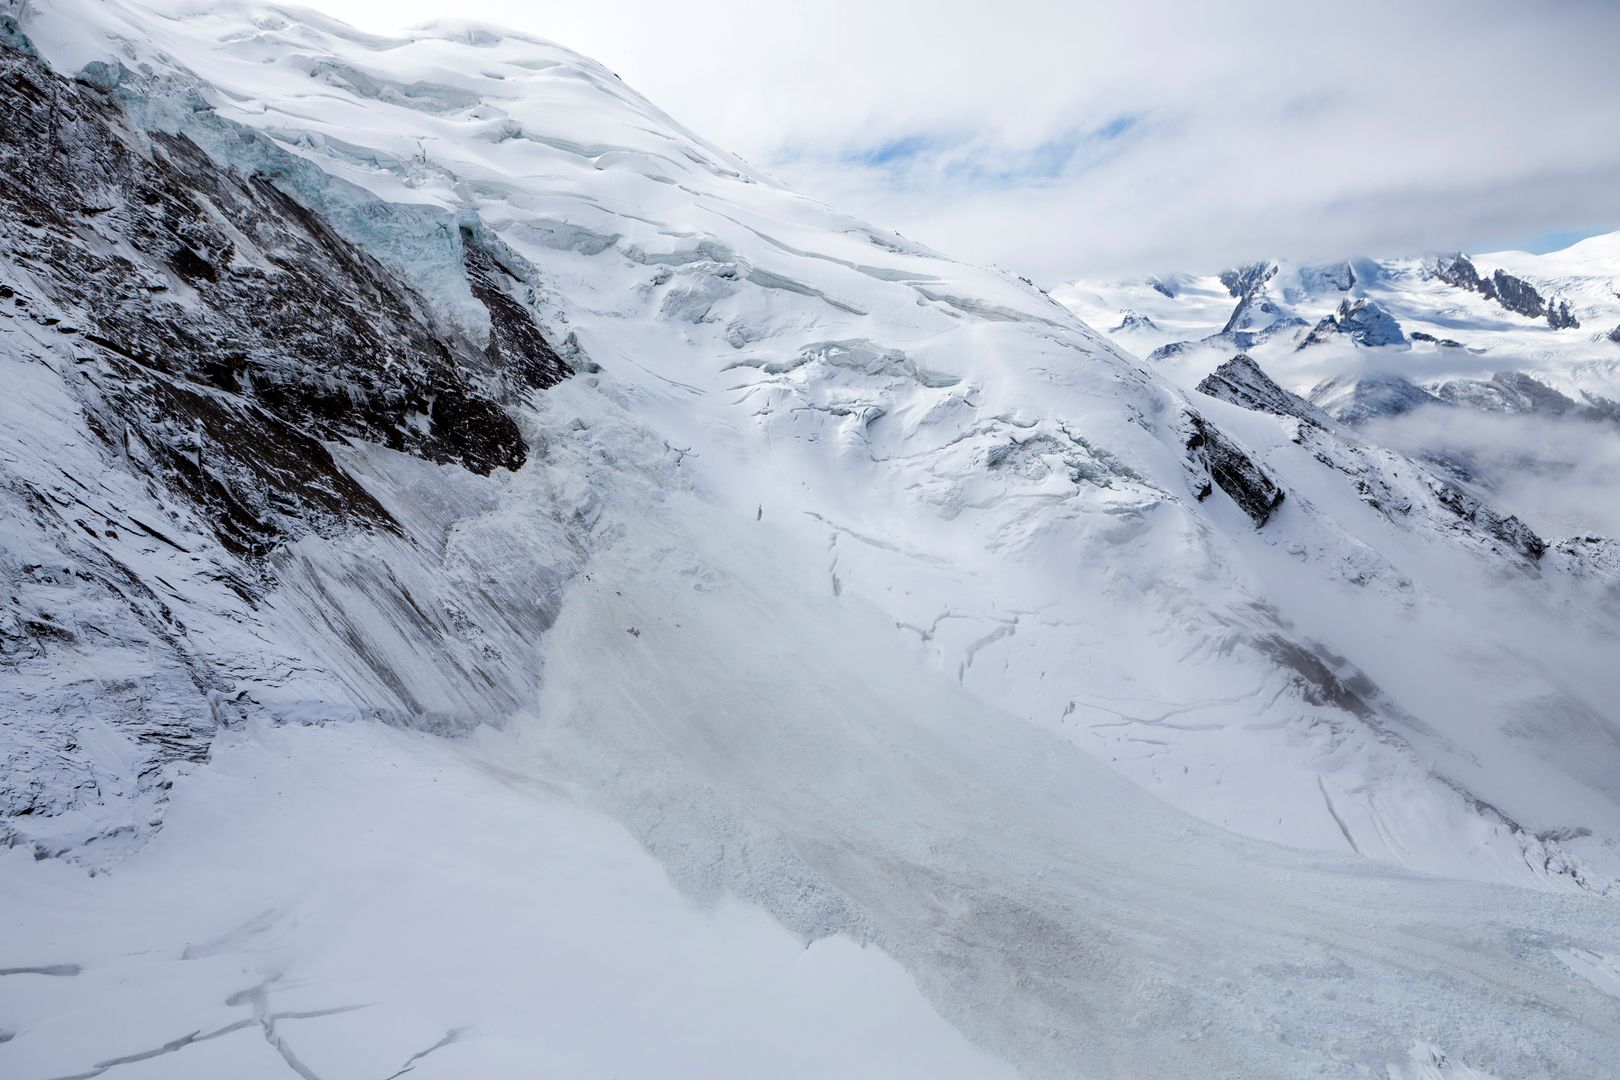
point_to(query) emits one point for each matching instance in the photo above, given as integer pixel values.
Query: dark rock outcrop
(1508, 529)
(1317, 681)
(516, 347)
(233, 331)
(1242, 281)
(202, 350)
(1513, 293)
(1254, 313)
(1457, 270)
(1519, 394)
(1133, 320)
(1506, 392)
(1174, 348)
(1368, 323)
(1363, 321)
(1560, 317)
(1340, 276)
(1225, 465)
(1241, 381)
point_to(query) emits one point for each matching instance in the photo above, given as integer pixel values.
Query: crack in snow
(1334, 813)
(410, 1063)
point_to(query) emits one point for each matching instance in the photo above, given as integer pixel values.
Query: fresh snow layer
(351, 895)
(354, 901)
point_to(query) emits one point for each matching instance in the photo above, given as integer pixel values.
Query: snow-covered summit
(1554, 315)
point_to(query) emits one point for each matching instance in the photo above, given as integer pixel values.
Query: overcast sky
(1063, 138)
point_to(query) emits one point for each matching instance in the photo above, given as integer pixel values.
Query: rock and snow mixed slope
(1507, 332)
(872, 590)
(1502, 371)
(1555, 316)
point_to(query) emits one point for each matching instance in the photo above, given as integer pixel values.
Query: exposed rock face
(1368, 323)
(216, 298)
(1363, 321)
(1513, 293)
(1560, 318)
(1341, 276)
(1457, 270)
(1256, 315)
(1253, 312)
(516, 350)
(1356, 400)
(1326, 329)
(1133, 320)
(1174, 348)
(1227, 466)
(1423, 497)
(1243, 281)
(207, 353)
(1444, 343)
(1599, 407)
(1506, 528)
(1519, 394)
(1242, 382)
(1318, 682)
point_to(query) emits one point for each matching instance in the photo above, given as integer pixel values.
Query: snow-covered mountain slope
(1555, 316)
(1522, 344)
(871, 590)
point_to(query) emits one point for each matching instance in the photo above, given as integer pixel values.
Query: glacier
(795, 653)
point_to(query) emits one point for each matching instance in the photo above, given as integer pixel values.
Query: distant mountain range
(1507, 331)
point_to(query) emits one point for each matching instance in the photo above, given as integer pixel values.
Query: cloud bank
(1558, 475)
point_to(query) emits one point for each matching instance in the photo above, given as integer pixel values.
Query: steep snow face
(343, 899)
(1043, 520)
(1040, 517)
(868, 587)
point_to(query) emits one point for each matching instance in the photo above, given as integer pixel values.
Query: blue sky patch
(977, 162)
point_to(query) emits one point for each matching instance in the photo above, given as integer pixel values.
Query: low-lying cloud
(1558, 474)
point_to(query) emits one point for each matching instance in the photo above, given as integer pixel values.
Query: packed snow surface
(894, 676)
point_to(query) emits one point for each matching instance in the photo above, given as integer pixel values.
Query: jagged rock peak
(1134, 320)
(1241, 381)
(1243, 281)
(1513, 293)
(1363, 321)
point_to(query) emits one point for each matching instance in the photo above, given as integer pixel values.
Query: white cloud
(1257, 128)
(1558, 475)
